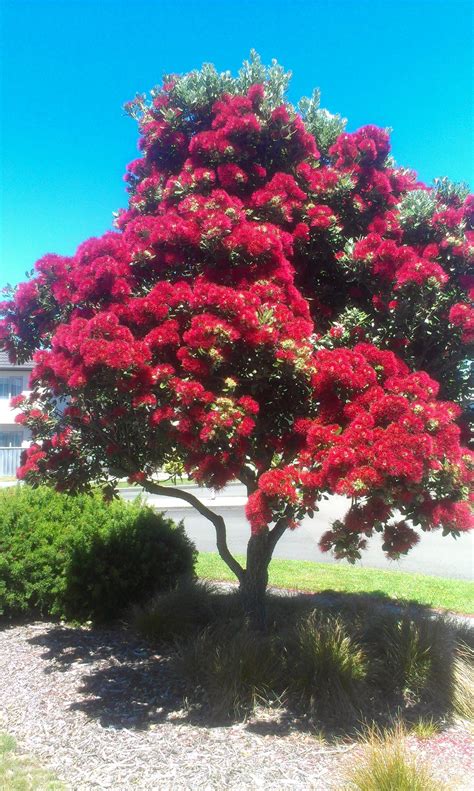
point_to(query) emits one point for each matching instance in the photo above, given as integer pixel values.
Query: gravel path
(103, 711)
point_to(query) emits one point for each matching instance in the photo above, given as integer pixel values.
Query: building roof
(5, 363)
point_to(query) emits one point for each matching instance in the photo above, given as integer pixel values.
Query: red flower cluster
(378, 429)
(399, 265)
(462, 315)
(366, 147)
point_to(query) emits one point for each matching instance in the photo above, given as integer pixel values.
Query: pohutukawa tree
(280, 304)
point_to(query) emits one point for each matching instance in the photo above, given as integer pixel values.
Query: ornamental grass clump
(336, 665)
(234, 668)
(464, 682)
(326, 666)
(386, 765)
(412, 657)
(426, 727)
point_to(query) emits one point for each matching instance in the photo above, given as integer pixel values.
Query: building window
(10, 386)
(11, 439)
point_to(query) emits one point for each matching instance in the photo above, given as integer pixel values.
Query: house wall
(12, 382)
(13, 436)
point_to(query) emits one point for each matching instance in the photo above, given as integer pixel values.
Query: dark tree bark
(253, 584)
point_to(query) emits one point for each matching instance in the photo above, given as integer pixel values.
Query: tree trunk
(253, 580)
(253, 584)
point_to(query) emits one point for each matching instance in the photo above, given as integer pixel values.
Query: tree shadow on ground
(121, 682)
(124, 682)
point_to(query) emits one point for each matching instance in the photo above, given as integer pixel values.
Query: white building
(13, 381)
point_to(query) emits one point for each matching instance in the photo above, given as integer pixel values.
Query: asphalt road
(435, 554)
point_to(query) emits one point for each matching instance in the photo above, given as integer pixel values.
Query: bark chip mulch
(102, 710)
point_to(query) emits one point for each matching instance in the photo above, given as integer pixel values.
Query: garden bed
(103, 709)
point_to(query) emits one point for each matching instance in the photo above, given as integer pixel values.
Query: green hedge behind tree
(81, 558)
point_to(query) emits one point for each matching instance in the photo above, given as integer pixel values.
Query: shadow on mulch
(120, 681)
(123, 682)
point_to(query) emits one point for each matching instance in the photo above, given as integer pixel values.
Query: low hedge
(80, 558)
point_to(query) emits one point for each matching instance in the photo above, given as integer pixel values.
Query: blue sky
(69, 65)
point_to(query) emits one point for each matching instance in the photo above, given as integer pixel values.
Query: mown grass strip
(435, 592)
(19, 773)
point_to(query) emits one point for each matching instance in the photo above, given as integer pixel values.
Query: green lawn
(436, 592)
(18, 773)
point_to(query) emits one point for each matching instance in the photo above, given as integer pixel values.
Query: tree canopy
(280, 304)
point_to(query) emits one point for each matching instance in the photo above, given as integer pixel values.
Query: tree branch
(179, 494)
(216, 519)
(276, 533)
(247, 477)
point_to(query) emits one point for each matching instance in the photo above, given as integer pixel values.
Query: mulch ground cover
(102, 710)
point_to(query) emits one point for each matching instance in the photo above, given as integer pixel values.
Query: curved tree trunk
(254, 581)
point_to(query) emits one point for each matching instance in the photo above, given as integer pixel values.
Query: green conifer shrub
(81, 558)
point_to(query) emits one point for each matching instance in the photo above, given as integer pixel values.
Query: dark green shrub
(81, 558)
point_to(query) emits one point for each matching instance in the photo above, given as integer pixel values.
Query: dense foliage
(272, 307)
(82, 558)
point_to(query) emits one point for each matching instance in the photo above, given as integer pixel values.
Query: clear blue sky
(69, 65)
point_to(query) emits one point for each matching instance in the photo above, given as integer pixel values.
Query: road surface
(435, 554)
